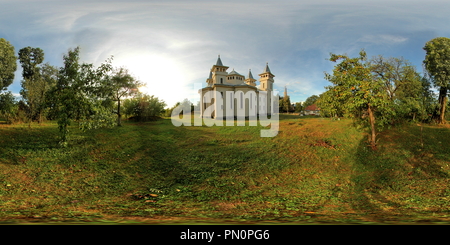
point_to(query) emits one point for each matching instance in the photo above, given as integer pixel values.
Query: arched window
(221, 80)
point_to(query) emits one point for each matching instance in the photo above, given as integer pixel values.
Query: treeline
(77, 92)
(382, 91)
(285, 105)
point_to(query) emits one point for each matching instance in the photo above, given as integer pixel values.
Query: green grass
(314, 170)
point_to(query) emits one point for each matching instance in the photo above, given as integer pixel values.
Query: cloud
(173, 44)
(382, 39)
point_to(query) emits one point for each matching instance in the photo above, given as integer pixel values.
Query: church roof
(234, 73)
(219, 62)
(267, 68)
(210, 75)
(250, 74)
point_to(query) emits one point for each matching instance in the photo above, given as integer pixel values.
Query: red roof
(312, 108)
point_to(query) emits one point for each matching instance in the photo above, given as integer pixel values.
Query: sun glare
(161, 77)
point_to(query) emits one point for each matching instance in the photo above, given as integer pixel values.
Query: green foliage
(119, 85)
(76, 95)
(314, 171)
(38, 78)
(299, 107)
(438, 69)
(358, 93)
(284, 104)
(436, 60)
(144, 107)
(330, 105)
(30, 58)
(8, 107)
(403, 85)
(311, 100)
(98, 116)
(8, 63)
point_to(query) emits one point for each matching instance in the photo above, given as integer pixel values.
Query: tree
(330, 104)
(119, 86)
(287, 104)
(8, 106)
(311, 100)
(281, 104)
(437, 65)
(49, 75)
(8, 64)
(284, 104)
(298, 107)
(37, 80)
(76, 95)
(402, 83)
(144, 107)
(428, 100)
(360, 94)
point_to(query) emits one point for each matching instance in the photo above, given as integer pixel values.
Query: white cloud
(383, 39)
(167, 42)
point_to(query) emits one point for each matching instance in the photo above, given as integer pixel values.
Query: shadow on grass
(17, 141)
(403, 179)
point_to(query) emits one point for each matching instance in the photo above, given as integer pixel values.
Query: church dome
(234, 73)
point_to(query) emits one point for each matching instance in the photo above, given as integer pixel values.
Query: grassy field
(314, 171)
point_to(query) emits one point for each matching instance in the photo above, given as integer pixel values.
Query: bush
(144, 107)
(9, 107)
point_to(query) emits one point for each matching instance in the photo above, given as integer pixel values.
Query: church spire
(267, 68)
(250, 74)
(219, 62)
(250, 80)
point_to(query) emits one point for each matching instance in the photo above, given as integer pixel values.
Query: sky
(171, 45)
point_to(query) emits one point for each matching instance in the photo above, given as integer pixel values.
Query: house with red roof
(311, 110)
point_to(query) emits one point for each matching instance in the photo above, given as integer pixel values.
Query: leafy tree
(284, 104)
(287, 107)
(144, 107)
(8, 63)
(330, 105)
(49, 75)
(360, 94)
(437, 65)
(119, 86)
(37, 80)
(311, 100)
(428, 101)
(8, 106)
(168, 111)
(76, 95)
(281, 104)
(298, 107)
(402, 83)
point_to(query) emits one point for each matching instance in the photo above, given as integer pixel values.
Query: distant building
(233, 87)
(311, 110)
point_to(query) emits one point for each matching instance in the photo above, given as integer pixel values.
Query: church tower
(250, 80)
(219, 72)
(209, 81)
(266, 85)
(266, 79)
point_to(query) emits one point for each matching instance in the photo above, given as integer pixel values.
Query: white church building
(231, 95)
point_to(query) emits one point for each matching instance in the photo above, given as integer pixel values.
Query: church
(231, 95)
